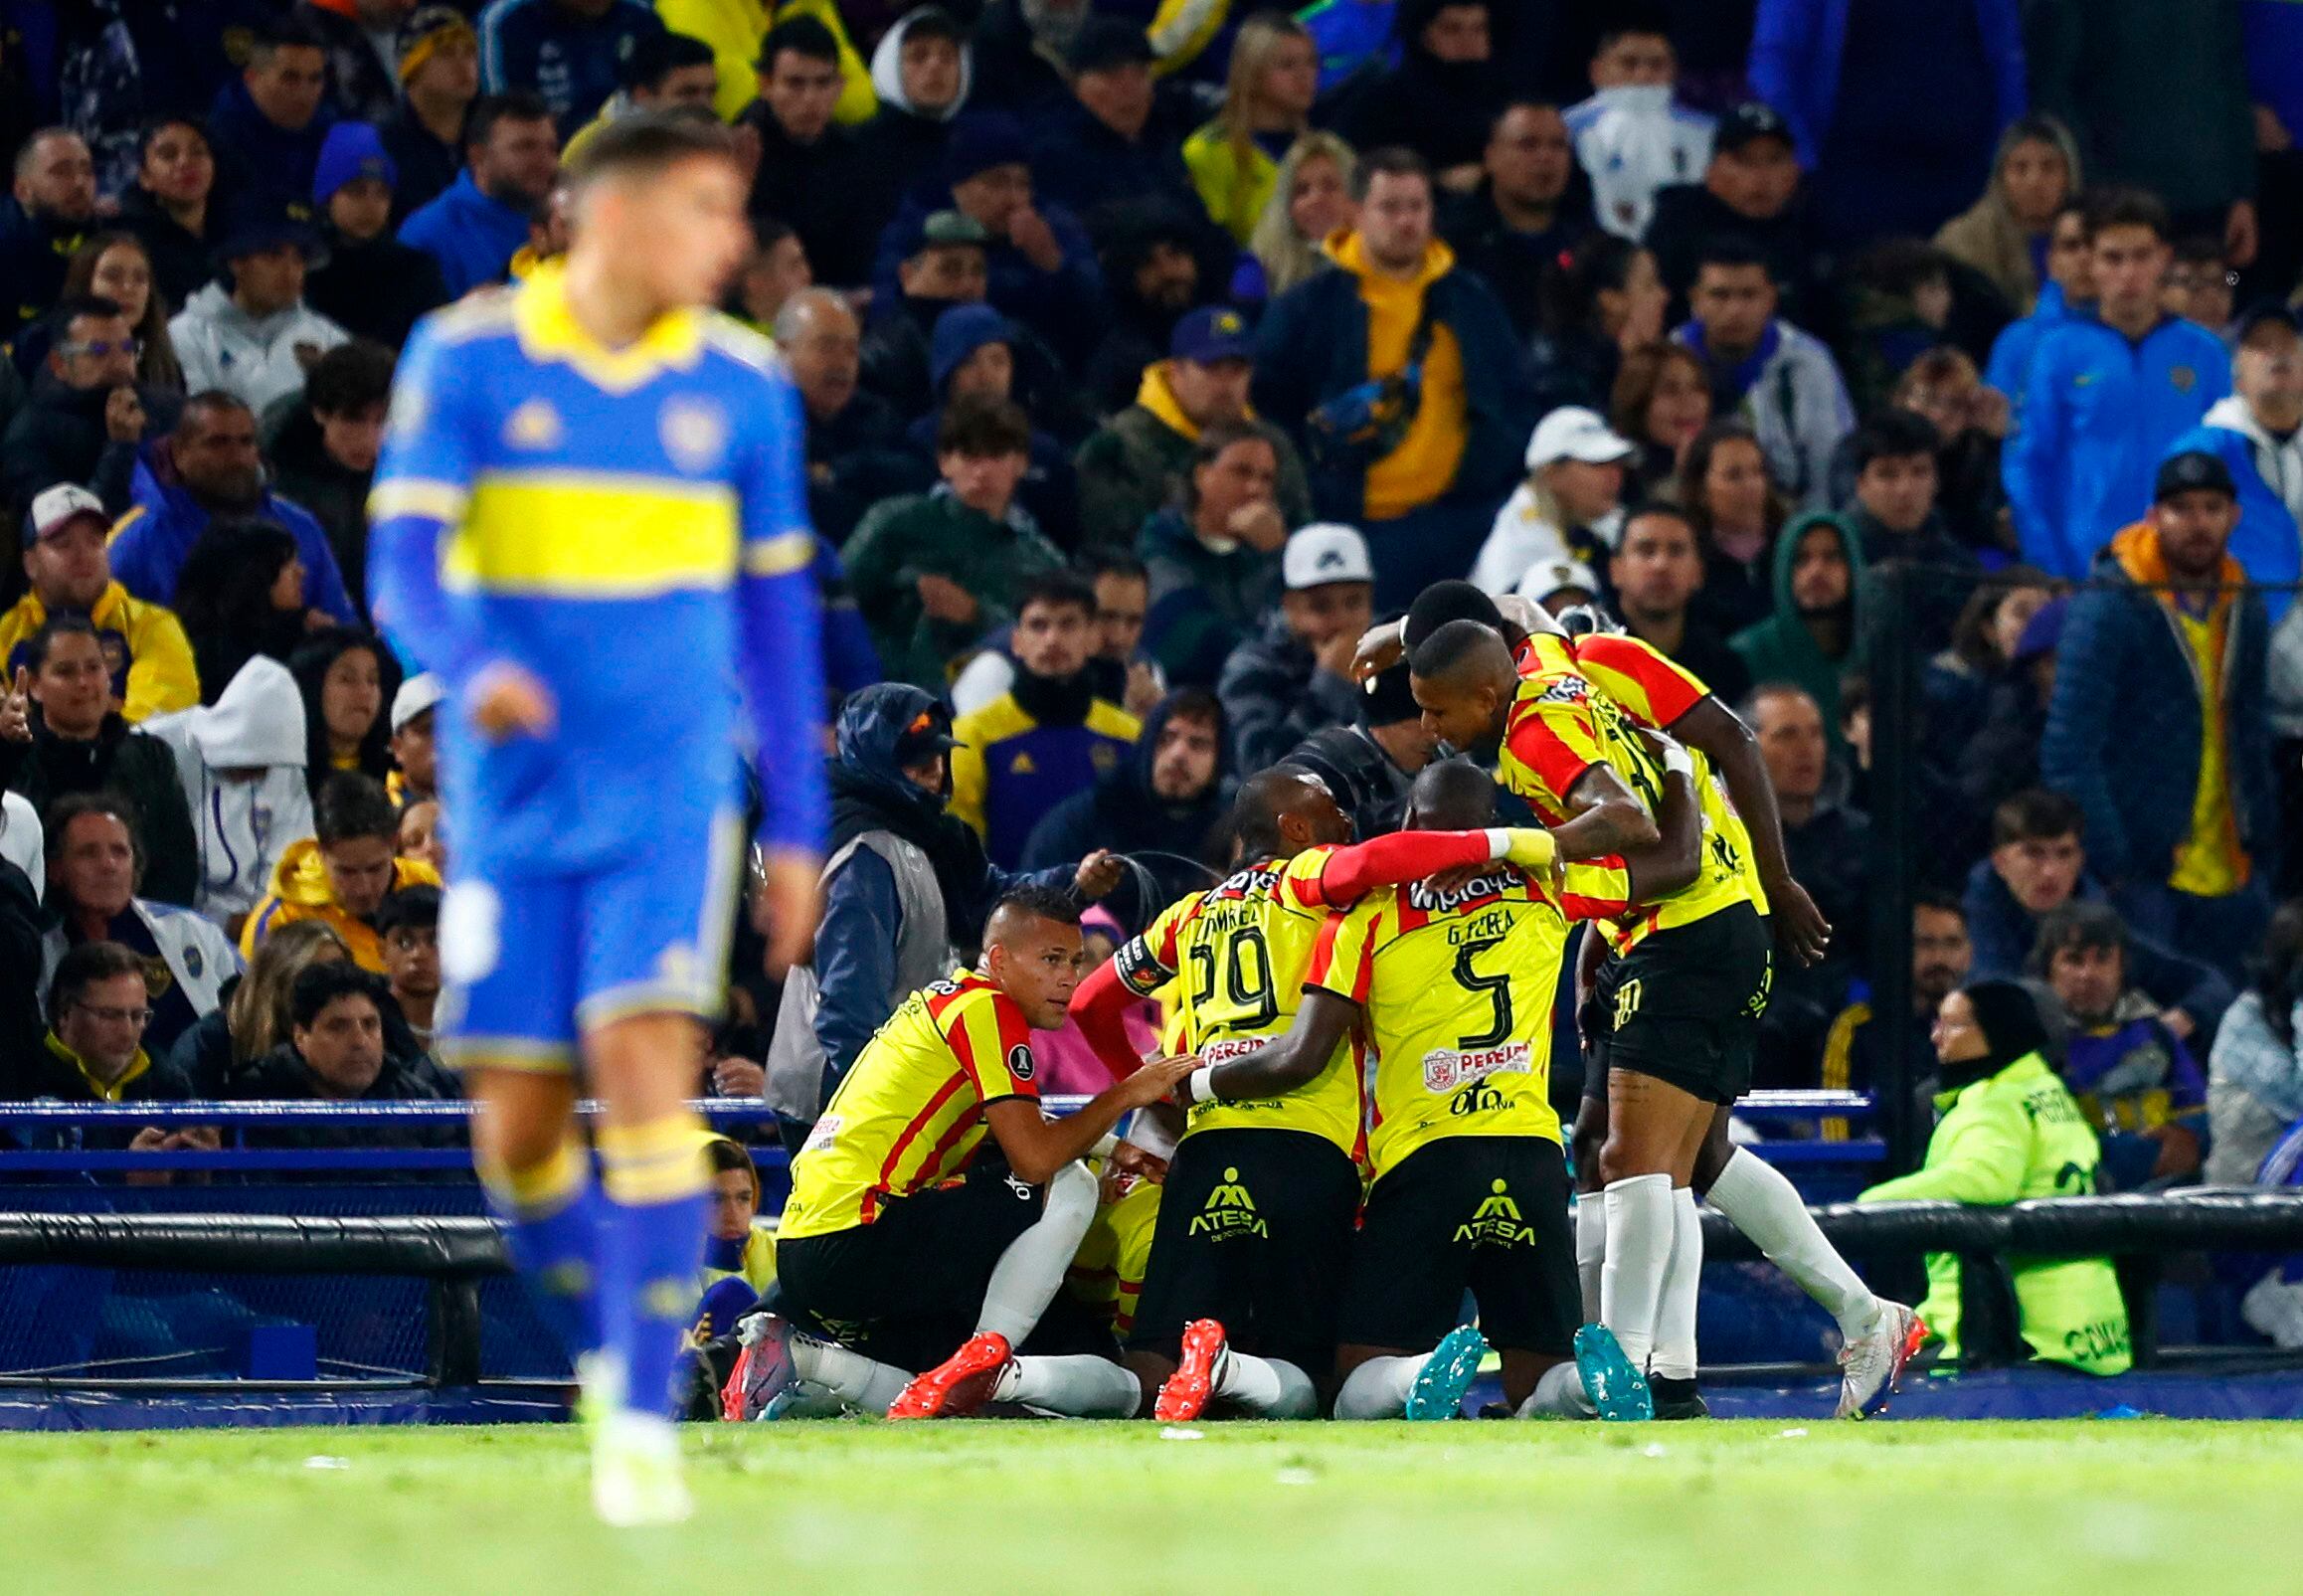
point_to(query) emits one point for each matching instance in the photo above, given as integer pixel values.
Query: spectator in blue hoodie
(2069, 289)
(481, 221)
(208, 467)
(2038, 866)
(2107, 394)
(566, 51)
(1108, 145)
(2137, 1080)
(973, 352)
(1040, 261)
(268, 126)
(1894, 107)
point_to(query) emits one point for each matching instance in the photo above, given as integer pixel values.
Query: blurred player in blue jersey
(589, 519)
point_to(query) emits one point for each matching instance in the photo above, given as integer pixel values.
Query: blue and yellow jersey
(1009, 770)
(1456, 985)
(630, 525)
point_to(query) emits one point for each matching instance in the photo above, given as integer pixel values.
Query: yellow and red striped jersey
(1558, 727)
(909, 1113)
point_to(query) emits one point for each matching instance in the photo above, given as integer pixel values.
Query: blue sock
(651, 1251)
(551, 1216)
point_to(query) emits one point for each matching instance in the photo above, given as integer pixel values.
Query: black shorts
(1255, 1232)
(1486, 1214)
(1683, 1006)
(908, 1287)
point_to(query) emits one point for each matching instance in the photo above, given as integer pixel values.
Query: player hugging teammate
(1314, 1239)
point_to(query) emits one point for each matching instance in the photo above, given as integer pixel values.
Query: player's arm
(1350, 873)
(1282, 1064)
(1722, 736)
(1037, 1147)
(781, 663)
(423, 482)
(1676, 858)
(1100, 1004)
(1604, 817)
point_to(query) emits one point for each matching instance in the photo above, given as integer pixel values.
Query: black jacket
(1275, 695)
(375, 289)
(855, 460)
(426, 166)
(337, 496)
(48, 1072)
(1369, 787)
(1123, 813)
(122, 760)
(59, 435)
(20, 962)
(183, 261)
(1688, 216)
(1440, 109)
(1512, 263)
(34, 254)
(827, 192)
(283, 1074)
(1079, 161)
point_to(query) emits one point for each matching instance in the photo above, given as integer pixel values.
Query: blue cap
(981, 141)
(352, 151)
(960, 332)
(1209, 334)
(263, 222)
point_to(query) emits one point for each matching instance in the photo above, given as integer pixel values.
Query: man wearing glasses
(97, 1008)
(86, 414)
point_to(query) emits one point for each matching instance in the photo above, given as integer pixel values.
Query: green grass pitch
(1086, 1510)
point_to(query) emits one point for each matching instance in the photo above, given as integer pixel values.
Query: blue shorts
(531, 963)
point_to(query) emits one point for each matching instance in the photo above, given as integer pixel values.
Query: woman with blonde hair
(1267, 105)
(255, 1017)
(118, 266)
(1311, 201)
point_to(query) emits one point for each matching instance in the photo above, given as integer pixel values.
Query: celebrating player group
(1362, 1056)
(592, 476)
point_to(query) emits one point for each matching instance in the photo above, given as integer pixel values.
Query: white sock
(1268, 1387)
(847, 1376)
(1378, 1388)
(1025, 1278)
(1759, 1201)
(1639, 1251)
(1590, 1249)
(1559, 1394)
(1675, 1313)
(1081, 1387)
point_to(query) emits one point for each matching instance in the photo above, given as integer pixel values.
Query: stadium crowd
(1149, 355)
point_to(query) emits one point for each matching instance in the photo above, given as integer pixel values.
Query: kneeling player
(899, 1243)
(1453, 983)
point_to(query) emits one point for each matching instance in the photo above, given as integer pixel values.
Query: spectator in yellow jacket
(734, 29)
(343, 874)
(71, 574)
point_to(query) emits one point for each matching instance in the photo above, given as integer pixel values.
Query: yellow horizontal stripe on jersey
(593, 535)
(780, 555)
(409, 496)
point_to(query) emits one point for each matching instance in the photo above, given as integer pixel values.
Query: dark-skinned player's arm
(1719, 733)
(1284, 1063)
(1604, 816)
(1037, 1147)
(1676, 858)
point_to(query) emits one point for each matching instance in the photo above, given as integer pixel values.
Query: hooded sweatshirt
(1781, 648)
(2268, 541)
(222, 345)
(1134, 466)
(301, 890)
(1986, 235)
(1123, 812)
(905, 141)
(242, 763)
(155, 673)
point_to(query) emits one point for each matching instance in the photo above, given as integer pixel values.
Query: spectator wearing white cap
(1570, 505)
(415, 777)
(1295, 678)
(1559, 585)
(240, 762)
(70, 573)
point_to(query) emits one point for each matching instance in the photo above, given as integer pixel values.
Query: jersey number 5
(1498, 986)
(1248, 980)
